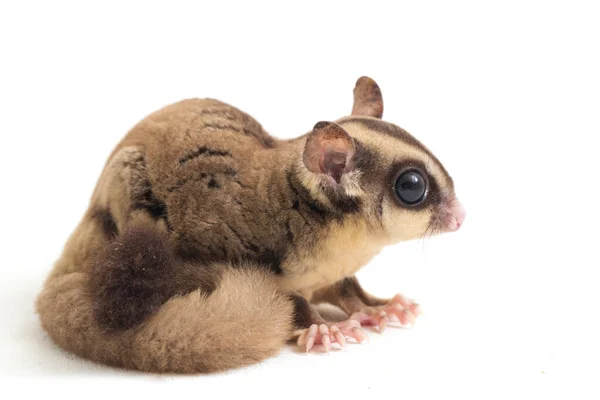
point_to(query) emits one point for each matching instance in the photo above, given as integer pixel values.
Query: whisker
(424, 236)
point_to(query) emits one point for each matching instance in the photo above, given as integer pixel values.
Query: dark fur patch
(138, 272)
(106, 221)
(249, 126)
(348, 286)
(271, 259)
(157, 208)
(343, 204)
(131, 278)
(203, 151)
(364, 157)
(142, 196)
(308, 208)
(316, 208)
(267, 257)
(212, 183)
(218, 112)
(302, 312)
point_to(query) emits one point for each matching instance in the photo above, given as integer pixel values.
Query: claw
(358, 335)
(407, 303)
(326, 335)
(309, 344)
(403, 301)
(352, 326)
(403, 317)
(339, 336)
(383, 321)
(399, 308)
(310, 337)
(325, 339)
(352, 323)
(407, 318)
(395, 310)
(415, 309)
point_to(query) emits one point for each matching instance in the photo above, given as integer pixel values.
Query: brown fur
(348, 295)
(138, 272)
(206, 239)
(304, 314)
(240, 323)
(368, 101)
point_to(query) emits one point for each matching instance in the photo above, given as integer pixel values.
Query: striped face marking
(384, 154)
(389, 154)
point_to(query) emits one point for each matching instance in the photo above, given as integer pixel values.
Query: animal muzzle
(454, 215)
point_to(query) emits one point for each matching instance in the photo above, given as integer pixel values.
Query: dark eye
(411, 187)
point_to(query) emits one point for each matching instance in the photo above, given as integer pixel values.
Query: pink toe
(383, 323)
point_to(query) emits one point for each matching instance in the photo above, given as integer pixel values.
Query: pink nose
(458, 215)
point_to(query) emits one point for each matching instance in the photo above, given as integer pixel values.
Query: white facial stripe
(393, 149)
(400, 223)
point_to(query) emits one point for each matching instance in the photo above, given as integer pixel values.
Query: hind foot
(328, 333)
(399, 308)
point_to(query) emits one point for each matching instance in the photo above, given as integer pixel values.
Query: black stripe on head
(394, 131)
(364, 158)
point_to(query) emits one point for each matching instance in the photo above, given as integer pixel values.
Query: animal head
(363, 163)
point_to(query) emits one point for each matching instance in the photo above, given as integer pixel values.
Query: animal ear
(329, 150)
(368, 101)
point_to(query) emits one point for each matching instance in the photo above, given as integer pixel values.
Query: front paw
(327, 333)
(404, 310)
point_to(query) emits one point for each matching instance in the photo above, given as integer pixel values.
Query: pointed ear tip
(328, 130)
(365, 80)
(321, 125)
(368, 100)
(328, 127)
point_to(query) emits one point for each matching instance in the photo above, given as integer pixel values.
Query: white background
(506, 95)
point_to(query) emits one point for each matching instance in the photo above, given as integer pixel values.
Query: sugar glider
(207, 242)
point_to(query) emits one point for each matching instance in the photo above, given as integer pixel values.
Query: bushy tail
(244, 321)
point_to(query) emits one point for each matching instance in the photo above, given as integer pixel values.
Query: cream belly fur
(349, 246)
